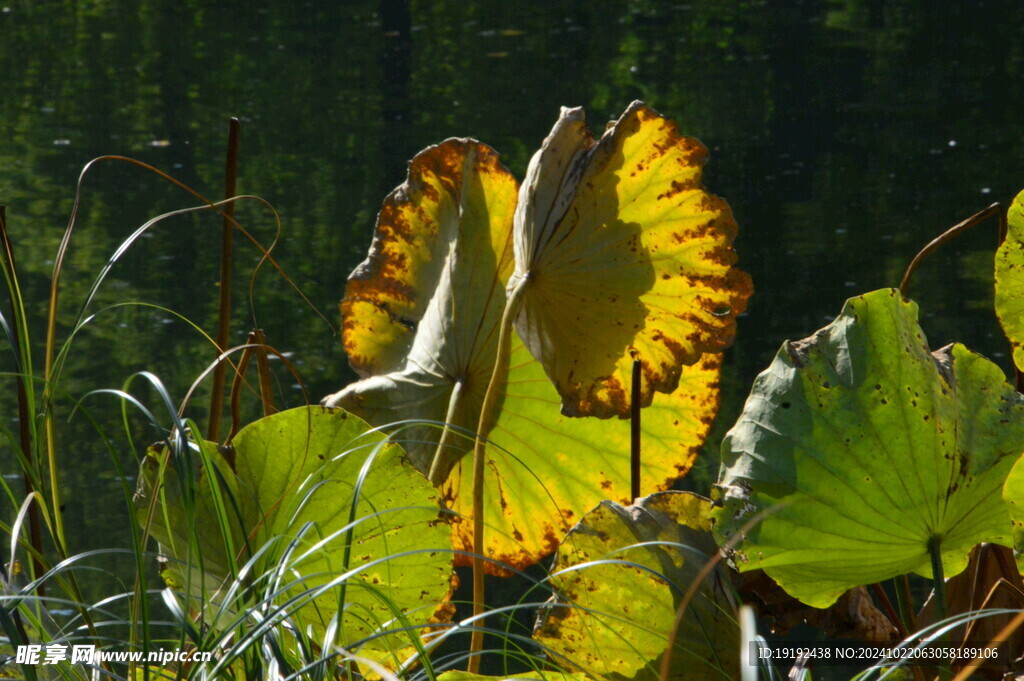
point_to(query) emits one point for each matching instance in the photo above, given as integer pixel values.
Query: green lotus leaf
(1013, 493)
(621, 574)
(543, 469)
(209, 574)
(862, 449)
(1010, 280)
(323, 497)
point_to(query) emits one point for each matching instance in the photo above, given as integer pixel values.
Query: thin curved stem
(263, 372)
(1004, 634)
(236, 398)
(996, 209)
(956, 230)
(498, 376)
(436, 475)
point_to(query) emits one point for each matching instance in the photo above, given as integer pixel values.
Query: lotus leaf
(1010, 280)
(545, 675)
(209, 573)
(1013, 493)
(863, 449)
(543, 470)
(349, 500)
(435, 279)
(457, 199)
(621, 254)
(621, 575)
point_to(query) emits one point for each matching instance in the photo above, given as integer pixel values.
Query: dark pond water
(844, 134)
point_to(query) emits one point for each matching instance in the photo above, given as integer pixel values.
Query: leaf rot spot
(677, 187)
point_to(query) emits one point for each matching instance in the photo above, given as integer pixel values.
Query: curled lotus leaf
(859, 450)
(543, 470)
(621, 254)
(1010, 280)
(452, 217)
(326, 505)
(622, 573)
(457, 195)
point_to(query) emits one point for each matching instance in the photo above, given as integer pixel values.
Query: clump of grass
(41, 589)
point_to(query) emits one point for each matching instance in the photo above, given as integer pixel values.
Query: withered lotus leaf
(621, 254)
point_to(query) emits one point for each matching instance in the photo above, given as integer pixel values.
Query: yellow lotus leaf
(620, 577)
(543, 470)
(621, 254)
(458, 181)
(434, 282)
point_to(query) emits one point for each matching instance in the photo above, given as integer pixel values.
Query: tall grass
(41, 593)
(247, 622)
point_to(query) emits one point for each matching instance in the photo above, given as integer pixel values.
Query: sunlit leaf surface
(359, 515)
(621, 575)
(1010, 280)
(862, 447)
(539, 675)
(1013, 493)
(622, 254)
(543, 470)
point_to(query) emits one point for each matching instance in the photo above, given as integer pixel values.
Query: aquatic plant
(496, 329)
